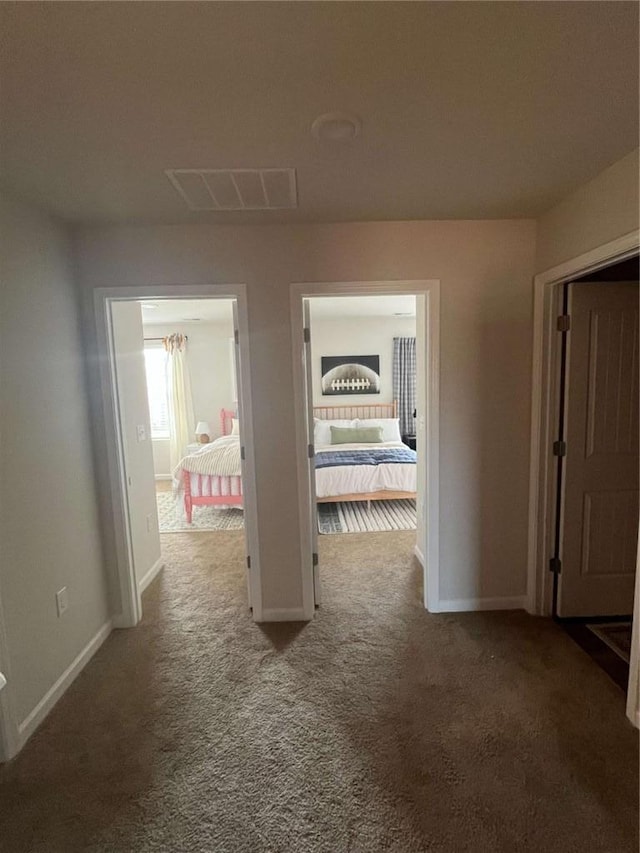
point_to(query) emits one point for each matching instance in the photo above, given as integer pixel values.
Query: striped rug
(356, 517)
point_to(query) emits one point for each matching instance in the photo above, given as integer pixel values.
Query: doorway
(330, 398)
(140, 477)
(585, 470)
(597, 453)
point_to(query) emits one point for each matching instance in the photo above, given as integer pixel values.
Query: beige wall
(134, 415)
(48, 513)
(357, 336)
(485, 269)
(597, 212)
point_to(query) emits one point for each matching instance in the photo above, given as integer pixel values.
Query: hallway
(377, 727)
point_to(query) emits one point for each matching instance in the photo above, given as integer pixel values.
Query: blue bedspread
(374, 456)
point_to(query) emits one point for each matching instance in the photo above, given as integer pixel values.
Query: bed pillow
(235, 426)
(322, 430)
(390, 427)
(356, 435)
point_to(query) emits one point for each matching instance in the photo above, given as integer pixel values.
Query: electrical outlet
(62, 601)
(141, 432)
(149, 523)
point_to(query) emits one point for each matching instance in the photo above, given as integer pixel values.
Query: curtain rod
(161, 339)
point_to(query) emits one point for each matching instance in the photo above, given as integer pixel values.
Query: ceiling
(362, 306)
(159, 312)
(468, 110)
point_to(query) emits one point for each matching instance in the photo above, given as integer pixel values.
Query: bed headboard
(373, 410)
(226, 418)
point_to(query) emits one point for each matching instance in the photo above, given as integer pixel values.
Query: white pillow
(390, 427)
(235, 426)
(322, 430)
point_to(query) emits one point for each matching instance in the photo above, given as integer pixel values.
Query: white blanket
(359, 479)
(221, 458)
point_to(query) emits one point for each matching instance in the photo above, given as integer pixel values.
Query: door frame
(429, 289)
(129, 606)
(544, 408)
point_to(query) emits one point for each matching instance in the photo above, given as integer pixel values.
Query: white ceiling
(362, 306)
(159, 312)
(469, 110)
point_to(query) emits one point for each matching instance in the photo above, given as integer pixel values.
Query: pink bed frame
(224, 485)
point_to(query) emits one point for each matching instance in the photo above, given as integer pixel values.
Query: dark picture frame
(344, 375)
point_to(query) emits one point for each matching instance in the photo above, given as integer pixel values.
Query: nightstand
(191, 448)
(410, 441)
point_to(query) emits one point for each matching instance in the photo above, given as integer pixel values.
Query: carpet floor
(376, 727)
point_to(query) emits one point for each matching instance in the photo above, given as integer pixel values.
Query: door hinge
(236, 336)
(311, 451)
(559, 448)
(242, 454)
(555, 565)
(563, 323)
(314, 558)
(248, 561)
(306, 335)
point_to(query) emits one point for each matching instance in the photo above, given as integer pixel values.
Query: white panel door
(308, 390)
(600, 518)
(236, 362)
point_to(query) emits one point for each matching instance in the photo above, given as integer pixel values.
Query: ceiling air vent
(236, 189)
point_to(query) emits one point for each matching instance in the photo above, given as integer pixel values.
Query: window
(155, 359)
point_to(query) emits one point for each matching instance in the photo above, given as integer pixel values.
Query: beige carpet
(375, 728)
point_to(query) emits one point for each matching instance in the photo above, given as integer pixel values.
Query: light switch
(141, 432)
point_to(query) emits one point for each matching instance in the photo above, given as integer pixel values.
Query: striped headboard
(373, 410)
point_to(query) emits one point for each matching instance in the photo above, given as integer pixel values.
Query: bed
(362, 472)
(347, 472)
(212, 475)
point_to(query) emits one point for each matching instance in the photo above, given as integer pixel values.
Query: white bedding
(359, 479)
(221, 458)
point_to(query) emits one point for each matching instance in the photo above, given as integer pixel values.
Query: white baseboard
(284, 614)
(146, 579)
(419, 555)
(31, 722)
(164, 477)
(461, 605)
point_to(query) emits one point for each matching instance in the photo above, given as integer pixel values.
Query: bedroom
(210, 405)
(361, 372)
(177, 388)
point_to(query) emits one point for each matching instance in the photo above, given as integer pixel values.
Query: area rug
(357, 517)
(171, 517)
(616, 635)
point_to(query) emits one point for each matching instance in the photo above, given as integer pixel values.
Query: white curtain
(181, 416)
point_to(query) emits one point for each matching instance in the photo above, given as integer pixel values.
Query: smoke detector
(336, 127)
(236, 189)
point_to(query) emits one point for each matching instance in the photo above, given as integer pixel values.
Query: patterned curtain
(181, 417)
(404, 382)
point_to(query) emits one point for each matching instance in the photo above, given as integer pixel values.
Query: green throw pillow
(356, 435)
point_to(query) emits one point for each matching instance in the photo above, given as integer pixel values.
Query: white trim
(633, 688)
(33, 720)
(430, 290)
(284, 614)
(460, 605)
(538, 587)
(164, 477)
(9, 734)
(131, 608)
(147, 578)
(419, 555)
